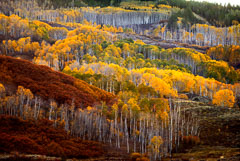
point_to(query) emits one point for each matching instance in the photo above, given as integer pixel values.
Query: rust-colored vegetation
(49, 84)
(40, 137)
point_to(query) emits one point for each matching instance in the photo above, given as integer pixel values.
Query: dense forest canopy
(134, 75)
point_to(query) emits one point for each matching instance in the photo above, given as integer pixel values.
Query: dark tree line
(214, 13)
(188, 18)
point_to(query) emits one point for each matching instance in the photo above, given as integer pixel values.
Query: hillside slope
(219, 133)
(49, 84)
(40, 137)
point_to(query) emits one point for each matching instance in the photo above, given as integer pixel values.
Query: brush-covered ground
(219, 133)
(219, 139)
(39, 140)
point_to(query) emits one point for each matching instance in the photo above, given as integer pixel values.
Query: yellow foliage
(2, 90)
(82, 69)
(224, 98)
(163, 116)
(21, 91)
(120, 29)
(156, 142)
(67, 69)
(125, 109)
(89, 71)
(89, 108)
(115, 107)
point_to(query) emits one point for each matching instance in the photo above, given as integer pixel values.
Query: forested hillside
(49, 84)
(149, 80)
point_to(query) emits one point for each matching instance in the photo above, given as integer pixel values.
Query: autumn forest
(119, 80)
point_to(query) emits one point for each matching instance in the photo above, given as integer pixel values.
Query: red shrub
(45, 82)
(54, 149)
(29, 136)
(191, 140)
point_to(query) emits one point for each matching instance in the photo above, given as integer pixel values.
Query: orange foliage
(191, 140)
(183, 96)
(224, 98)
(226, 53)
